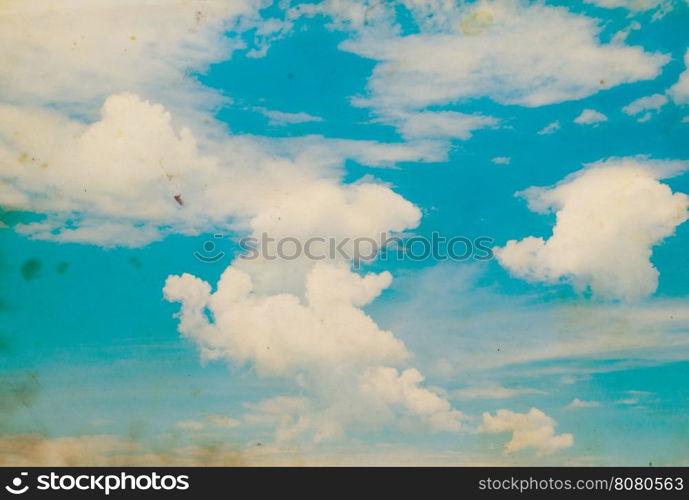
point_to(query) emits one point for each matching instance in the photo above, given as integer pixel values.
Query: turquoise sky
(91, 348)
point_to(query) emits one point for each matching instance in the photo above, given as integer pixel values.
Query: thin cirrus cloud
(577, 403)
(492, 391)
(608, 218)
(281, 118)
(525, 335)
(633, 5)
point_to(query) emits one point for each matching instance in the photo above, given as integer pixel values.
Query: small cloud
(622, 35)
(533, 429)
(590, 117)
(280, 118)
(635, 398)
(616, 191)
(679, 92)
(579, 403)
(501, 160)
(633, 5)
(646, 105)
(550, 129)
(441, 124)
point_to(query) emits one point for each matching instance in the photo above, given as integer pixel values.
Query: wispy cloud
(281, 118)
(579, 403)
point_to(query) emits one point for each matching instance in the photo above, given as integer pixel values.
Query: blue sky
(343, 119)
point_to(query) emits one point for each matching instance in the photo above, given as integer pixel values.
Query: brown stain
(136, 430)
(25, 158)
(179, 200)
(199, 17)
(5, 344)
(31, 269)
(18, 391)
(476, 23)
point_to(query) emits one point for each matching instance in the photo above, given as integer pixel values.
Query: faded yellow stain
(476, 23)
(133, 38)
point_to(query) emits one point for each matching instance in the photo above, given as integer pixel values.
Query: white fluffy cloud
(325, 342)
(116, 180)
(608, 217)
(533, 429)
(511, 52)
(590, 117)
(105, 132)
(74, 54)
(652, 102)
(440, 124)
(645, 105)
(680, 90)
